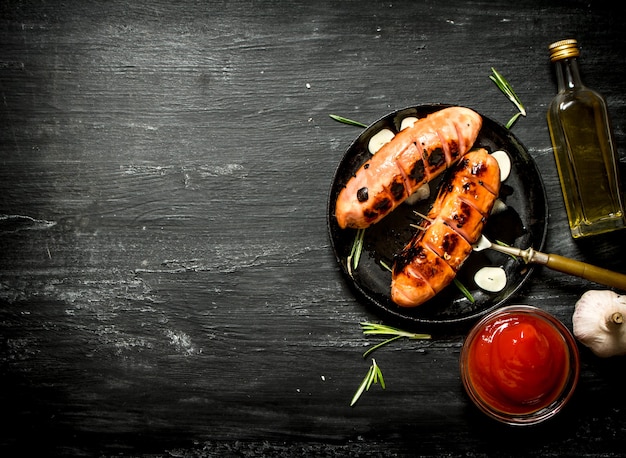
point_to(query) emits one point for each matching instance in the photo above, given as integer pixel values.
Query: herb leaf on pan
(355, 252)
(464, 290)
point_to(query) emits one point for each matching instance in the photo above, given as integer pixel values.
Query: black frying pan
(523, 224)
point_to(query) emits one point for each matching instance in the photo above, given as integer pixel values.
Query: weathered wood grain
(167, 284)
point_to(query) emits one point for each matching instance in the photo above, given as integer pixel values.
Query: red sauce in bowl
(520, 364)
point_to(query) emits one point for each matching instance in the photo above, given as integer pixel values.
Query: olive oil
(584, 149)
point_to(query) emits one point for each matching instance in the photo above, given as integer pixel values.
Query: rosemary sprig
(506, 88)
(347, 121)
(381, 329)
(464, 290)
(512, 120)
(374, 375)
(355, 252)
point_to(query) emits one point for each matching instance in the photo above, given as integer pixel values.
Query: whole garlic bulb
(598, 322)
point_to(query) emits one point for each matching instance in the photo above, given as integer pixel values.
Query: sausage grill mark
(370, 215)
(463, 216)
(450, 243)
(418, 172)
(382, 204)
(436, 158)
(397, 189)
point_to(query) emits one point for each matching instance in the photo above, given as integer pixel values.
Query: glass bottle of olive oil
(584, 149)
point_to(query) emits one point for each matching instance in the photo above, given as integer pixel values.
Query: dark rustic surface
(167, 285)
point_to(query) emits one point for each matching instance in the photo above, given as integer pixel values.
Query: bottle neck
(567, 74)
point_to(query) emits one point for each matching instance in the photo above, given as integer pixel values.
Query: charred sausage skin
(413, 157)
(431, 259)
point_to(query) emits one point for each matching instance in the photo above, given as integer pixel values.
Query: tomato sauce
(518, 363)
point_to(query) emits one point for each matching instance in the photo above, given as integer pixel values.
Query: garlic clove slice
(408, 122)
(504, 161)
(492, 279)
(379, 140)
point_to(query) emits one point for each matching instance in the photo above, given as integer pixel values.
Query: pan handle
(586, 271)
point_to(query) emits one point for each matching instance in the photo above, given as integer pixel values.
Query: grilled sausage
(430, 261)
(413, 157)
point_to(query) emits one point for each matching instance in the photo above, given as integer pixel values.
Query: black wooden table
(167, 284)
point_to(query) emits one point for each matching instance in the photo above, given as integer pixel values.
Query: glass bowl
(520, 365)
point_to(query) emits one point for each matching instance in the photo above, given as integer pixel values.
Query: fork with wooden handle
(559, 263)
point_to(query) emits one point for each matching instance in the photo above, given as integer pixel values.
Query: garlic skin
(598, 322)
